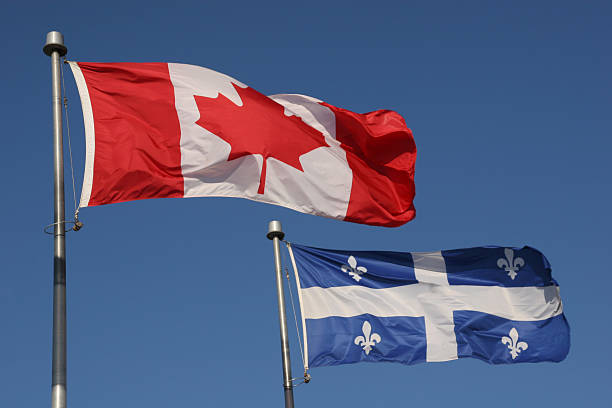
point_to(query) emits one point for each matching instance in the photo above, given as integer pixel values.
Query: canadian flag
(173, 130)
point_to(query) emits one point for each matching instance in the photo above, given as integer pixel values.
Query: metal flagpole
(54, 47)
(275, 233)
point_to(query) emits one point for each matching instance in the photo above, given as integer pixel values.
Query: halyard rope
(294, 314)
(77, 223)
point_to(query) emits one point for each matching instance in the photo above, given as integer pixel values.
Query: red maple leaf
(259, 126)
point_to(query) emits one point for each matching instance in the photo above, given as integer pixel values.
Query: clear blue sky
(171, 303)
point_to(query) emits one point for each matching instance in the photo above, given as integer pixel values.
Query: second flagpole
(276, 234)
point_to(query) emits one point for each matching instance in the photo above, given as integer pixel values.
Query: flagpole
(54, 48)
(275, 233)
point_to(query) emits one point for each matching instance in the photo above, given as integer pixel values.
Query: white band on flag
(90, 142)
(529, 303)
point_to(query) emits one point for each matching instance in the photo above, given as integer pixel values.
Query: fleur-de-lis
(514, 346)
(510, 264)
(367, 340)
(353, 270)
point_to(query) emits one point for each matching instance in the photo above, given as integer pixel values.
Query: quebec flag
(496, 304)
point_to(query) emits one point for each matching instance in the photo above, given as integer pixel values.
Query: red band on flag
(381, 153)
(137, 142)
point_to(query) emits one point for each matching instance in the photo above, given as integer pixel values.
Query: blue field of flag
(496, 304)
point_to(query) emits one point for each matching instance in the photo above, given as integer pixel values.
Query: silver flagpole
(275, 233)
(54, 47)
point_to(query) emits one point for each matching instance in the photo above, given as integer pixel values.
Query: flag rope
(306, 378)
(77, 224)
(293, 307)
(297, 282)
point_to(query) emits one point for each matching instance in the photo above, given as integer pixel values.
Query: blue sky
(172, 302)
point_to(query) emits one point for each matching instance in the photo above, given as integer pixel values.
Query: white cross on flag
(173, 130)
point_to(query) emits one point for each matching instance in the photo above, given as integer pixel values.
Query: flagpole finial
(55, 42)
(275, 230)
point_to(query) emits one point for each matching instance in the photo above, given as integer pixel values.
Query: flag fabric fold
(158, 130)
(500, 305)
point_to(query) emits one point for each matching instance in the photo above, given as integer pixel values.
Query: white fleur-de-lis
(353, 270)
(510, 264)
(367, 340)
(514, 346)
